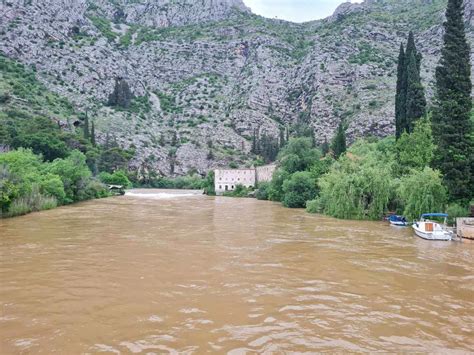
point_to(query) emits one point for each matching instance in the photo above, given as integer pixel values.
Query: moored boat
(398, 221)
(431, 230)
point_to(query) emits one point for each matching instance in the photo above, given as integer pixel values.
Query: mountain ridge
(207, 87)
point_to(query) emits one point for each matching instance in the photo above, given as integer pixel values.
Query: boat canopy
(444, 215)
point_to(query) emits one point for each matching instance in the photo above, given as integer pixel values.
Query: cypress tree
(282, 137)
(339, 143)
(325, 147)
(415, 96)
(86, 127)
(122, 95)
(452, 128)
(93, 134)
(410, 101)
(400, 98)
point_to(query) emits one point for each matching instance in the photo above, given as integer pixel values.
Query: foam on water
(163, 195)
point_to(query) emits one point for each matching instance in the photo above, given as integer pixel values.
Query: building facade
(228, 179)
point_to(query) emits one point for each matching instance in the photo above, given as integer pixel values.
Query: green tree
(86, 127)
(422, 191)
(416, 150)
(415, 95)
(93, 141)
(117, 178)
(410, 102)
(74, 174)
(122, 95)
(452, 128)
(298, 155)
(358, 186)
(298, 189)
(8, 189)
(400, 98)
(339, 142)
(209, 184)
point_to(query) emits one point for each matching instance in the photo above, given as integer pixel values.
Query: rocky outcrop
(207, 75)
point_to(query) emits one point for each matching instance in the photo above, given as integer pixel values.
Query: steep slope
(206, 81)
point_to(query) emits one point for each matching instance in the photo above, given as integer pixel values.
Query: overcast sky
(295, 10)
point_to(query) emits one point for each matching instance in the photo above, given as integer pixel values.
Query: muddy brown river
(155, 272)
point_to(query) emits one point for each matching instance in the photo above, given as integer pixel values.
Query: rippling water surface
(156, 272)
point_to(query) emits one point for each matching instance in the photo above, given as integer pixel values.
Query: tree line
(427, 166)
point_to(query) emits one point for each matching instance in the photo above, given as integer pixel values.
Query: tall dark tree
(339, 143)
(415, 95)
(410, 102)
(93, 134)
(86, 127)
(452, 128)
(400, 98)
(282, 137)
(122, 95)
(325, 147)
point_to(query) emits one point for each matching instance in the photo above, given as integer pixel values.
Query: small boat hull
(440, 234)
(398, 224)
(398, 221)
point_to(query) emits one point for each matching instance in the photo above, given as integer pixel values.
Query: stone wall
(265, 173)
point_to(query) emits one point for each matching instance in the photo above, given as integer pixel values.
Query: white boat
(431, 230)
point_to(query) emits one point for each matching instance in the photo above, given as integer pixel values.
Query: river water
(156, 272)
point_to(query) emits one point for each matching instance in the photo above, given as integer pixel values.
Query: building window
(220, 187)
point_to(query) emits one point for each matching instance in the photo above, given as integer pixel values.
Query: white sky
(295, 10)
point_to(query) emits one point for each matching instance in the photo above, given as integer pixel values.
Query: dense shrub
(416, 150)
(456, 211)
(263, 192)
(314, 206)
(27, 184)
(74, 174)
(117, 178)
(240, 191)
(301, 187)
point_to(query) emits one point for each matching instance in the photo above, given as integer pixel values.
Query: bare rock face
(207, 75)
(166, 13)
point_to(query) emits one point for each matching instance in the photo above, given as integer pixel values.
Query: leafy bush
(209, 186)
(416, 150)
(74, 174)
(456, 211)
(314, 206)
(52, 185)
(263, 192)
(301, 187)
(240, 191)
(117, 178)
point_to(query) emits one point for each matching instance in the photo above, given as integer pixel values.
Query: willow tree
(422, 191)
(452, 127)
(358, 186)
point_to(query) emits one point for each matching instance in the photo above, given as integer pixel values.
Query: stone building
(228, 179)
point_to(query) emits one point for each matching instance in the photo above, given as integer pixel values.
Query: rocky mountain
(208, 75)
